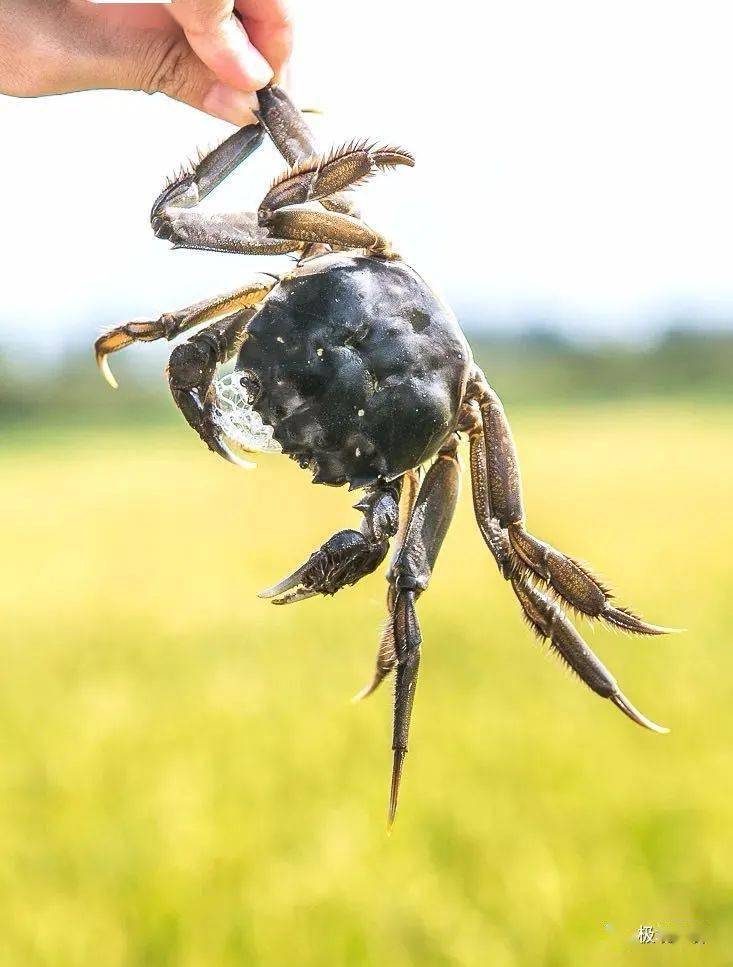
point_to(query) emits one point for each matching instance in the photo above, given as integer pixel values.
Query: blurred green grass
(184, 781)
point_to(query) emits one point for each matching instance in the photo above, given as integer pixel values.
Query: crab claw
(190, 371)
(293, 580)
(343, 559)
(198, 417)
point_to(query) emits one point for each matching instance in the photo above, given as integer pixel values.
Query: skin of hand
(212, 54)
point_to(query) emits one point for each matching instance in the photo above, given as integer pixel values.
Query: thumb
(172, 68)
(222, 43)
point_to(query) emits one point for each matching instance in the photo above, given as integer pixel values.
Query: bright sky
(574, 166)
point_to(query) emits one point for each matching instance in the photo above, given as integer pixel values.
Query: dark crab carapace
(359, 372)
(358, 367)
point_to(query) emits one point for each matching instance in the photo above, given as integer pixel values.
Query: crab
(351, 365)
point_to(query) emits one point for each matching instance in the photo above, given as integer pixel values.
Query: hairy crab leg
(239, 233)
(172, 324)
(172, 219)
(386, 654)
(330, 228)
(318, 177)
(410, 575)
(546, 619)
(567, 578)
(190, 187)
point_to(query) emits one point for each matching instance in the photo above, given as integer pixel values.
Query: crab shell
(358, 366)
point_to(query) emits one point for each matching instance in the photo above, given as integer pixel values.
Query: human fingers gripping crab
(353, 367)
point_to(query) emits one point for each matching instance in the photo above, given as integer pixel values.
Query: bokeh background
(182, 777)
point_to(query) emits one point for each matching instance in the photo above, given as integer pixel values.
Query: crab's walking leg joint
(237, 233)
(192, 186)
(172, 218)
(409, 576)
(172, 324)
(386, 655)
(293, 138)
(317, 178)
(566, 577)
(545, 617)
(285, 124)
(349, 555)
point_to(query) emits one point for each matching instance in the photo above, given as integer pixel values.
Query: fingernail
(256, 66)
(230, 104)
(251, 62)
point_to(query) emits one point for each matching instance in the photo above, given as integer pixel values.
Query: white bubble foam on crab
(238, 421)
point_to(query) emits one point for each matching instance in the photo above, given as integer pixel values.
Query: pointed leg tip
(391, 815)
(621, 702)
(628, 621)
(394, 792)
(649, 629)
(103, 363)
(361, 694)
(370, 687)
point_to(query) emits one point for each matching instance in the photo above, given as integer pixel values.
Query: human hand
(197, 51)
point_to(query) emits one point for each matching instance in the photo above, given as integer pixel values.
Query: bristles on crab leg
(386, 659)
(386, 653)
(570, 580)
(322, 176)
(550, 623)
(546, 619)
(348, 555)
